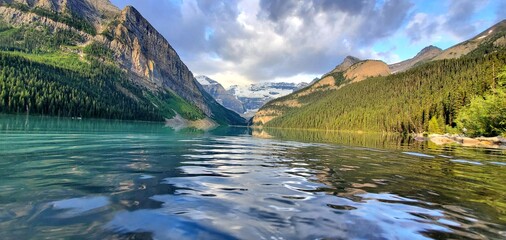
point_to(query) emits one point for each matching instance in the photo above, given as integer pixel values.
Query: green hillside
(40, 74)
(403, 102)
(54, 61)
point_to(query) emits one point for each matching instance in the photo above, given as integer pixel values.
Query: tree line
(403, 102)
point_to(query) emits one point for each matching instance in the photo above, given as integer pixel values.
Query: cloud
(284, 38)
(261, 40)
(456, 22)
(500, 11)
(423, 26)
(459, 18)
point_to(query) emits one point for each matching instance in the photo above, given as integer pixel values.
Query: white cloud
(245, 41)
(388, 57)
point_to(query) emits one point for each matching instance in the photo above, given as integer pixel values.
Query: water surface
(96, 179)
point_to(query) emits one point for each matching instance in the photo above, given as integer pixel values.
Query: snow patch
(488, 33)
(203, 80)
(263, 90)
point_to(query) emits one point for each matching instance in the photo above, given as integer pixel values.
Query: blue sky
(486, 13)
(246, 41)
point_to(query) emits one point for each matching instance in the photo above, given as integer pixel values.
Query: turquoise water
(98, 179)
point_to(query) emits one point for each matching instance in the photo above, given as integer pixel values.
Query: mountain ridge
(350, 70)
(494, 34)
(220, 94)
(247, 99)
(420, 89)
(347, 63)
(97, 30)
(426, 54)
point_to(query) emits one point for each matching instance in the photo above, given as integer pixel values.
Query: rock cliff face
(426, 54)
(95, 11)
(151, 60)
(138, 48)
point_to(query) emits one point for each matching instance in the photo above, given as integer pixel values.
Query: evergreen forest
(404, 102)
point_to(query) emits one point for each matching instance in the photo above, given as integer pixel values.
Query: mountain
(221, 95)
(356, 99)
(301, 85)
(426, 54)
(109, 52)
(246, 100)
(347, 63)
(255, 96)
(351, 70)
(492, 39)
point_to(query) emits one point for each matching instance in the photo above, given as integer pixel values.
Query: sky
(238, 42)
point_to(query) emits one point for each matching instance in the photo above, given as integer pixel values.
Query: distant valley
(246, 100)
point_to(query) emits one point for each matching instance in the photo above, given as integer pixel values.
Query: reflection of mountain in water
(226, 184)
(372, 140)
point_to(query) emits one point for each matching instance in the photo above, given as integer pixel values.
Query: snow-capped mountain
(255, 96)
(218, 92)
(246, 100)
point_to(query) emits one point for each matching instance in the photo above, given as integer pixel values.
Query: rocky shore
(484, 142)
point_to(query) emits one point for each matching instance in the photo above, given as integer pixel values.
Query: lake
(99, 179)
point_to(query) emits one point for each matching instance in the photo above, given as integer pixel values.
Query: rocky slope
(492, 39)
(246, 100)
(365, 69)
(136, 46)
(349, 71)
(426, 54)
(221, 95)
(347, 63)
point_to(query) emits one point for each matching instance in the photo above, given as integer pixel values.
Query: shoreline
(497, 142)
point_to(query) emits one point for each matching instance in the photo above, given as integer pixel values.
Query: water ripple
(148, 183)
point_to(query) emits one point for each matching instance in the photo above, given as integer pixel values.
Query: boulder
(442, 140)
(469, 142)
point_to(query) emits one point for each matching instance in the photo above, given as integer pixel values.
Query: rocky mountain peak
(347, 63)
(95, 11)
(130, 11)
(426, 54)
(222, 96)
(428, 49)
(205, 80)
(351, 59)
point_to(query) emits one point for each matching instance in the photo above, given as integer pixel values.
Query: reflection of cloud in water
(465, 161)
(163, 226)
(79, 206)
(267, 189)
(416, 154)
(244, 195)
(146, 176)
